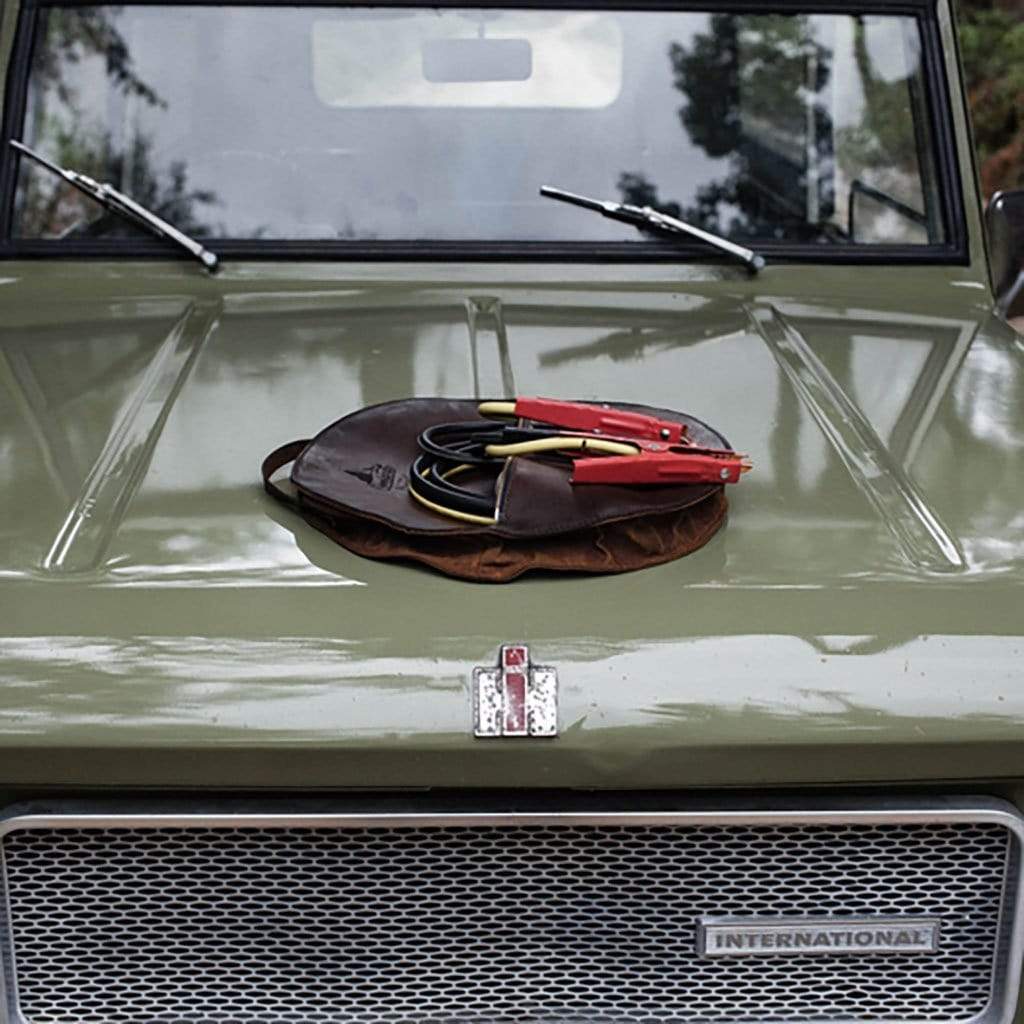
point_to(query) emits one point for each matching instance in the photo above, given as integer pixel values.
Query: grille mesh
(489, 923)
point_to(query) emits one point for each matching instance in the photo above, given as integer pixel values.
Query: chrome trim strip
(1007, 816)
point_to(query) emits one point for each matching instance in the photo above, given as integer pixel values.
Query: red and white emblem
(516, 698)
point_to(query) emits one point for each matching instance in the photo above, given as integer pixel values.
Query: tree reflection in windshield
(753, 87)
(49, 207)
(758, 96)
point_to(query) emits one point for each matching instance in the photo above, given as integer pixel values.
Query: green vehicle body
(858, 623)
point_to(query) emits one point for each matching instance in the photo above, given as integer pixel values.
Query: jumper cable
(631, 448)
(603, 446)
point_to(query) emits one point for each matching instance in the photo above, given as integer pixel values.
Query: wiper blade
(647, 217)
(117, 202)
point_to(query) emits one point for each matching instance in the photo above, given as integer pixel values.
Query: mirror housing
(1004, 221)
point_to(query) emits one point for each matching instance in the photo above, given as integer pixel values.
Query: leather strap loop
(273, 462)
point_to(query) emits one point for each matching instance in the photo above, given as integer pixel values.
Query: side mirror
(1004, 220)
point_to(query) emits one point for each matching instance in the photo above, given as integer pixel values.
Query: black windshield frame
(954, 250)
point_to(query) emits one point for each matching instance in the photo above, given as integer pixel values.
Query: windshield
(385, 124)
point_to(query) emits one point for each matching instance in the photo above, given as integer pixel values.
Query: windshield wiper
(117, 202)
(646, 217)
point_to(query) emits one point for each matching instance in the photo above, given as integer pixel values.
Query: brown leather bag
(351, 484)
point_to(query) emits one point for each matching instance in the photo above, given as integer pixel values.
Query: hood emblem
(516, 698)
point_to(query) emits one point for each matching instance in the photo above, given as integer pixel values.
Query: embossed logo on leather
(379, 476)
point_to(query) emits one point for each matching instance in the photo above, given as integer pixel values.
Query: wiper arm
(117, 202)
(646, 217)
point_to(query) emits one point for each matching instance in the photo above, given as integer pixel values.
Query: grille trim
(1006, 958)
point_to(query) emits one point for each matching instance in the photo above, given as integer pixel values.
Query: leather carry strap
(273, 462)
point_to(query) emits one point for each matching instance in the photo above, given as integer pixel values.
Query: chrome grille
(514, 921)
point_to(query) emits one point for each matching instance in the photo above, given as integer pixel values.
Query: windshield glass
(387, 124)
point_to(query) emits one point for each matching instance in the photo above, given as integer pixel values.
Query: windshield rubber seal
(953, 251)
(13, 119)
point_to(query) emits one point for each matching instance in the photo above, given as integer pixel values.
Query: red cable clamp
(664, 452)
(653, 465)
(600, 419)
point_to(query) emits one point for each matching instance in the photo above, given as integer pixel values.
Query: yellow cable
(562, 444)
(547, 444)
(452, 513)
(496, 408)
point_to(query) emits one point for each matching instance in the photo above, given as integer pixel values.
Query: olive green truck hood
(165, 623)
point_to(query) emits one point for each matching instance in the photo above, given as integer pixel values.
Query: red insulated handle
(599, 418)
(657, 469)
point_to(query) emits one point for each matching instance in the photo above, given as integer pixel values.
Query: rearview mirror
(477, 60)
(1004, 220)
(439, 58)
